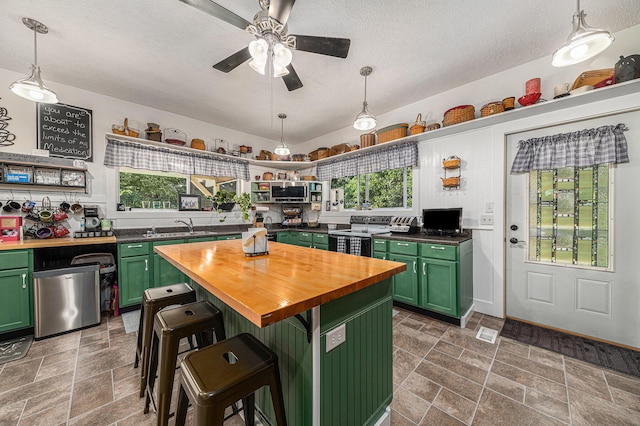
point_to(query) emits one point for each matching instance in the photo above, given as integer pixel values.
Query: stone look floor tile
(626, 383)
(126, 386)
(16, 375)
(102, 336)
(10, 413)
(52, 416)
(548, 405)
(409, 404)
(506, 387)
(56, 369)
(459, 367)
(515, 348)
(495, 409)
(453, 382)
(422, 387)
(530, 380)
(588, 409)
(435, 416)
(587, 379)
(60, 356)
(530, 366)
(36, 388)
(413, 341)
(545, 357)
(480, 361)
(91, 393)
(625, 399)
(467, 339)
(111, 413)
(403, 364)
(455, 405)
(398, 419)
(449, 349)
(47, 400)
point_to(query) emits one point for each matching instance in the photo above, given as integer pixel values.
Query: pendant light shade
(263, 52)
(282, 149)
(583, 43)
(32, 87)
(365, 120)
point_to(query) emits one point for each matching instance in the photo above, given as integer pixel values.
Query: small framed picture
(188, 202)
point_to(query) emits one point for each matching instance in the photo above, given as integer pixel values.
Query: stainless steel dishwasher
(66, 299)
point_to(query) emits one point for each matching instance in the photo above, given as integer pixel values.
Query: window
(385, 189)
(159, 190)
(569, 216)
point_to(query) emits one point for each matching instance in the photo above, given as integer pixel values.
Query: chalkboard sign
(65, 131)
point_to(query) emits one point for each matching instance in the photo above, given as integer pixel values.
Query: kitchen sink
(179, 234)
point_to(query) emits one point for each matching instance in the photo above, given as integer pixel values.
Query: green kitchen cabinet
(229, 237)
(134, 272)
(201, 240)
(439, 286)
(320, 241)
(164, 273)
(305, 239)
(405, 284)
(16, 306)
(284, 237)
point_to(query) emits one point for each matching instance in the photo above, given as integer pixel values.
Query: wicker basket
(319, 154)
(341, 148)
(368, 139)
(491, 108)
(452, 162)
(451, 182)
(391, 133)
(509, 103)
(418, 126)
(458, 114)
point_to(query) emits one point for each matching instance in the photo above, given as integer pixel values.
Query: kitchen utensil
(64, 206)
(433, 126)
(28, 206)
(44, 233)
(627, 68)
(91, 223)
(76, 207)
(33, 216)
(198, 144)
(530, 99)
(46, 216)
(561, 89)
(11, 206)
(46, 203)
(175, 137)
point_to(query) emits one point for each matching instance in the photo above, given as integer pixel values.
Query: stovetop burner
(365, 226)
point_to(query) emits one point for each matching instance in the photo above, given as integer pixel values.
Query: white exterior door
(596, 303)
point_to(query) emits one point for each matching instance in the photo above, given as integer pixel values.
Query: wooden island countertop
(269, 288)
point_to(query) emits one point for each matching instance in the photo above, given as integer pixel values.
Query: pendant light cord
(35, 47)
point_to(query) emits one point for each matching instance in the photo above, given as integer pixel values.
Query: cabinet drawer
(321, 238)
(134, 249)
(380, 245)
(14, 259)
(229, 237)
(305, 237)
(403, 247)
(439, 251)
(167, 243)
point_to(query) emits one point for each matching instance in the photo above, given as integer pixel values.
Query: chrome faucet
(189, 225)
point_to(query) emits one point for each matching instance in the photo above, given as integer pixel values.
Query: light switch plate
(336, 337)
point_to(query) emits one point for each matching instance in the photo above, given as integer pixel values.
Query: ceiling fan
(272, 44)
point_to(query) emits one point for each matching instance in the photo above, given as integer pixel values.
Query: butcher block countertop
(269, 288)
(54, 242)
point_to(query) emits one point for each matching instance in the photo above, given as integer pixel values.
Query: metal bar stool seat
(154, 300)
(215, 377)
(201, 319)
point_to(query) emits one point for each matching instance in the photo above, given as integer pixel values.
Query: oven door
(359, 246)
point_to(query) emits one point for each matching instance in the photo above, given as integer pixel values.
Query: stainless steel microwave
(290, 192)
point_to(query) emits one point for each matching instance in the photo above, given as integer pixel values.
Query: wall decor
(188, 202)
(6, 137)
(65, 131)
(452, 165)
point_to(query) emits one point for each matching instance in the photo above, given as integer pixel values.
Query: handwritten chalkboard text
(65, 131)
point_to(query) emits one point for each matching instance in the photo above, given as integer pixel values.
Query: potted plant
(223, 200)
(244, 202)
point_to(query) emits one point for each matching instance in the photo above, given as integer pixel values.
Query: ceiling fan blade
(230, 63)
(214, 9)
(338, 47)
(292, 80)
(280, 10)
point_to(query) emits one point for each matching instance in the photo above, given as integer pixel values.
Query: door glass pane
(569, 216)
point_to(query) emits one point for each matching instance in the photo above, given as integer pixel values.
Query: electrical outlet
(336, 337)
(486, 219)
(489, 208)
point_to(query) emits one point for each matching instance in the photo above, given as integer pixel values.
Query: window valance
(370, 161)
(584, 148)
(140, 156)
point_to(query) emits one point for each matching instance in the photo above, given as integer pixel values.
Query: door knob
(513, 240)
(514, 227)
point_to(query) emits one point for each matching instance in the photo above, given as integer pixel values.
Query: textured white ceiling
(160, 53)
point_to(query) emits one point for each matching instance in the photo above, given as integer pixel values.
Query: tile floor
(442, 376)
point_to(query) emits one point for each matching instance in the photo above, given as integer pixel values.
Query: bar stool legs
(170, 326)
(215, 377)
(153, 300)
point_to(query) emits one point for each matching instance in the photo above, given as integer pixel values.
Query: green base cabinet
(438, 286)
(320, 241)
(134, 272)
(405, 284)
(16, 306)
(164, 273)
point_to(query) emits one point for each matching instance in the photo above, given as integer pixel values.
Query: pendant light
(282, 149)
(583, 43)
(365, 120)
(32, 87)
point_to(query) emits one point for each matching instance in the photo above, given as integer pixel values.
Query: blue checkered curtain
(149, 157)
(370, 161)
(584, 148)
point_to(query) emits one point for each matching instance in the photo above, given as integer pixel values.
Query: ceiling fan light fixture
(282, 149)
(32, 87)
(279, 70)
(258, 66)
(365, 120)
(583, 43)
(282, 56)
(258, 49)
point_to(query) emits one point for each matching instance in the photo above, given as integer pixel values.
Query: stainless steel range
(357, 240)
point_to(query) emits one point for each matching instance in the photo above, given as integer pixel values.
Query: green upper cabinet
(134, 271)
(405, 284)
(164, 273)
(16, 307)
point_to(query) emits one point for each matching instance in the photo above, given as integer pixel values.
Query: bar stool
(171, 325)
(215, 377)
(153, 300)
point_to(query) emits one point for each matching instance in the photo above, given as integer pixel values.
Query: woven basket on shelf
(391, 133)
(318, 154)
(491, 108)
(452, 162)
(368, 139)
(451, 182)
(458, 114)
(418, 126)
(338, 149)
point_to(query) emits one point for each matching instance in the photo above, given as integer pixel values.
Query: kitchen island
(291, 299)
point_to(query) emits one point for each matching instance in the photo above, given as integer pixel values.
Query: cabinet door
(439, 286)
(134, 273)
(405, 284)
(164, 273)
(229, 237)
(305, 239)
(380, 255)
(284, 237)
(15, 303)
